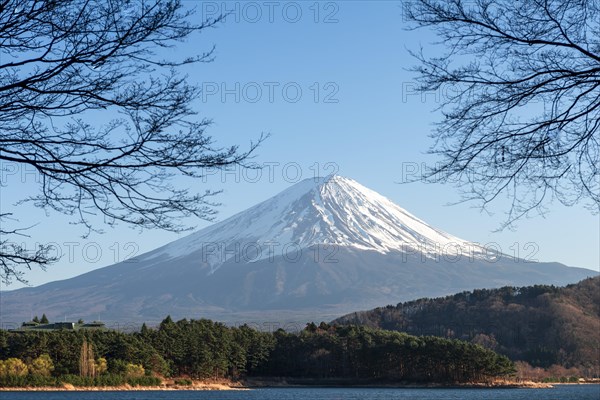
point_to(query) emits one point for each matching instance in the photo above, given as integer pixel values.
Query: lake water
(560, 392)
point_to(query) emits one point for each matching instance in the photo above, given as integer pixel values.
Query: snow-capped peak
(331, 210)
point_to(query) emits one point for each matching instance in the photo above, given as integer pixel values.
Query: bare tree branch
(522, 115)
(14, 256)
(64, 64)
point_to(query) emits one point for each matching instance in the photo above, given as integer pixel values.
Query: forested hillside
(542, 325)
(205, 349)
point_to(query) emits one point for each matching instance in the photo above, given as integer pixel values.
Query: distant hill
(542, 325)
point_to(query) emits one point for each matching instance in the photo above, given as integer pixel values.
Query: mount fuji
(319, 249)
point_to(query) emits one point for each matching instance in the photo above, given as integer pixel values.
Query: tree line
(202, 349)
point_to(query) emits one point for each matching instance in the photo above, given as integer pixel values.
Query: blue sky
(329, 82)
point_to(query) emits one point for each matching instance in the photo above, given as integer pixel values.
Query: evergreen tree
(144, 330)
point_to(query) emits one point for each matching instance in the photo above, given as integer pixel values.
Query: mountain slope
(543, 325)
(321, 248)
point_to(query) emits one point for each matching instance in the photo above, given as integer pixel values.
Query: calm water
(582, 392)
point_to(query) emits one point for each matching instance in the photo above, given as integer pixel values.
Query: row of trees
(206, 349)
(43, 320)
(39, 371)
(14, 367)
(359, 353)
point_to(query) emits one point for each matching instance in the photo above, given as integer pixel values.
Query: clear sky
(329, 82)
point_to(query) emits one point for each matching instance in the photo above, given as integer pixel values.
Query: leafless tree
(521, 107)
(64, 64)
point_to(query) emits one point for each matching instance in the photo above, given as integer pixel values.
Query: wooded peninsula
(203, 349)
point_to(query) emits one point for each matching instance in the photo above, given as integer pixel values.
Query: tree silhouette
(91, 100)
(521, 104)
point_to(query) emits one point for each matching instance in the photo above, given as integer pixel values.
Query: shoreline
(280, 384)
(126, 388)
(302, 383)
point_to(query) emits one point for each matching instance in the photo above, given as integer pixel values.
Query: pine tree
(44, 319)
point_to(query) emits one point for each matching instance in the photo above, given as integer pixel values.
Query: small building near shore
(60, 326)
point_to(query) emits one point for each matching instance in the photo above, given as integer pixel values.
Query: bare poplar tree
(87, 365)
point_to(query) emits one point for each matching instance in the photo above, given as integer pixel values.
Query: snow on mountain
(333, 210)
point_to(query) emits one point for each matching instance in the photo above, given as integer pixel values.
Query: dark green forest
(202, 349)
(541, 325)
